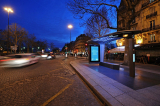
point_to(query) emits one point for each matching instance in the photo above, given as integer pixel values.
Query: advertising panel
(94, 53)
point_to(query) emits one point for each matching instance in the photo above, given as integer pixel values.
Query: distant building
(146, 19)
(80, 42)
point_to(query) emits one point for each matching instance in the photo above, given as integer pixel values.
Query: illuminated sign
(126, 35)
(95, 53)
(133, 57)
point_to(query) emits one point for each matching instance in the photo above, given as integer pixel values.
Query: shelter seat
(110, 65)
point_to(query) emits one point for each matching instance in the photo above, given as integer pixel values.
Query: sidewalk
(145, 67)
(113, 93)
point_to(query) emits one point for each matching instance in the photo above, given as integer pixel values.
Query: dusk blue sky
(47, 19)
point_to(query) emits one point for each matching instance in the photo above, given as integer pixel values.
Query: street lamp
(70, 27)
(8, 10)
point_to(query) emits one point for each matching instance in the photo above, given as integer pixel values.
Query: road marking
(66, 79)
(53, 97)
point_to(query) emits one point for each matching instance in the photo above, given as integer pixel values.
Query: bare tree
(52, 46)
(96, 24)
(4, 38)
(88, 33)
(80, 9)
(32, 40)
(20, 43)
(17, 33)
(27, 42)
(42, 44)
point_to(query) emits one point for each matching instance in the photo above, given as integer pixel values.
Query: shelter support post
(131, 60)
(102, 49)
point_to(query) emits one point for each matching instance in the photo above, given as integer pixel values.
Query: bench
(110, 65)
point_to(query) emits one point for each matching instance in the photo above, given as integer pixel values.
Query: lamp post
(70, 27)
(8, 10)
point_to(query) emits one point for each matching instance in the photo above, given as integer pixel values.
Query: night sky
(47, 19)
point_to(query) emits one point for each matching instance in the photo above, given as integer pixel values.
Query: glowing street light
(8, 10)
(70, 27)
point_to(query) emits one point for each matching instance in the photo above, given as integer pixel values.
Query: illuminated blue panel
(95, 53)
(133, 57)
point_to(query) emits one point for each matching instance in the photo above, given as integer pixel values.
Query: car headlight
(21, 61)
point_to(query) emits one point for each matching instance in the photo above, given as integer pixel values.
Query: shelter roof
(114, 36)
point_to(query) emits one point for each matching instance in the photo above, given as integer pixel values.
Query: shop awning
(118, 50)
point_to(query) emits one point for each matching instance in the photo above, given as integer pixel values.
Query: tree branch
(106, 4)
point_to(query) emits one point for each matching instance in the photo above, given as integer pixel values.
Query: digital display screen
(95, 53)
(133, 57)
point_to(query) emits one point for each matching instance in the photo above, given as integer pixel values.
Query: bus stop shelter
(128, 34)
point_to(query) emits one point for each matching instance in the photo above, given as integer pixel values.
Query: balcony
(148, 2)
(151, 15)
(149, 29)
(151, 41)
(145, 4)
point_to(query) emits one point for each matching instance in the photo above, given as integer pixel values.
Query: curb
(99, 96)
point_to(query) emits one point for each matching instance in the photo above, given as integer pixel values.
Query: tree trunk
(32, 49)
(19, 47)
(10, 47)
(27, 48)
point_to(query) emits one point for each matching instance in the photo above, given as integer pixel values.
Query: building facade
(80, 42)
(145, 17)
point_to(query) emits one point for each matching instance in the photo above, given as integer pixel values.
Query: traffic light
(86, 44)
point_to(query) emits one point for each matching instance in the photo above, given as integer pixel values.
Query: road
(46, 83)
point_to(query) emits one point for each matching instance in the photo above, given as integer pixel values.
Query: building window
(152, 24)
(134, 20)
(133, 28)
(152, 37)
(152, 10)
(151, 1)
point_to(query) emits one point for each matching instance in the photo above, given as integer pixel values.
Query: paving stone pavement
(47, 83)
(114, 93)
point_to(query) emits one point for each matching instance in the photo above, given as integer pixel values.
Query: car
(18, 60)
(51, 56)
(44, 55)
